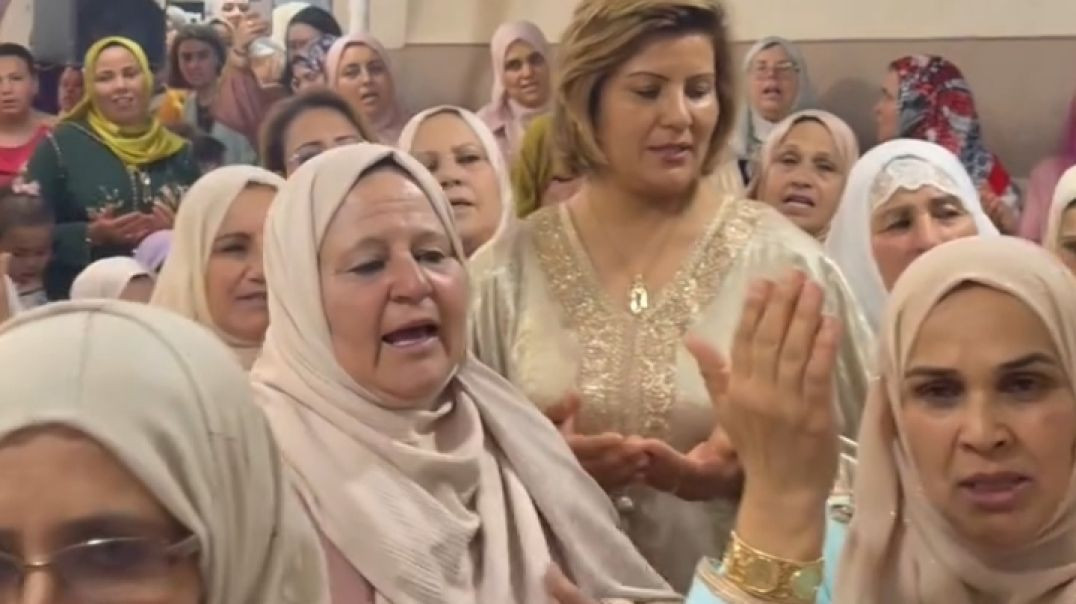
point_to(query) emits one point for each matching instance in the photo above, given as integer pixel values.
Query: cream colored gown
(543, 321)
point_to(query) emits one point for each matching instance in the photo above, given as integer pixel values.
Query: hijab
(1064, 197)
(1044, 180)
(489, 147)
(175, 410)
(899, 548)
(181, 285)
(390, 488)
(751, 129)
(134, 147)
(849, 239)
(107, 278)
(507, 119)
(154, 250)
(387, 127)
(313, 57)
(936, 105)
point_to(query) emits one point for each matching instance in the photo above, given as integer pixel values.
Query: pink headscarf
(1044, 179)
(386, 127)
(507, 119)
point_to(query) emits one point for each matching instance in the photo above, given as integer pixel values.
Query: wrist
(786, 524)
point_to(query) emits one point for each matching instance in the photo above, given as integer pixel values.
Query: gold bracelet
(769, 577)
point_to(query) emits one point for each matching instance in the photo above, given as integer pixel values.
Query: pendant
(638, 297)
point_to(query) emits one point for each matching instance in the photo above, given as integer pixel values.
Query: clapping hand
(613, 460)
(708, 471)
(124, 230)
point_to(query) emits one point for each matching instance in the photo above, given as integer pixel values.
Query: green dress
(78, 175)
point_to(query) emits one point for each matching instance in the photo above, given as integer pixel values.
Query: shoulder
(753, 230)
(508, 254)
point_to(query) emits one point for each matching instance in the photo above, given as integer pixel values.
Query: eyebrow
(650, 74)
(1023, 362)
(107, 526)
(233, 235)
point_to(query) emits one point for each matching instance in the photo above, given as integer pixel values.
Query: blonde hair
(602, 36)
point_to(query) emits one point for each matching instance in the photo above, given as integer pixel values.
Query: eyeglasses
(103, 570)
(781, 69)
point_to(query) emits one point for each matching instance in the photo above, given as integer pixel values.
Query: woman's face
(304, 77)
(71, 89)
(300, 36)
(990, 417)
(1067, 238)
(235, 273)
(806, 177)
(657, 114)
(233, 11)
(73, 492)
(452, 152)
(119, 87)
(526, 75)
(138, 289)
(363, 79)
(198, 63)
(394, 295)
(887, 110)
(315, 131)
(912, 223)
(774, 83)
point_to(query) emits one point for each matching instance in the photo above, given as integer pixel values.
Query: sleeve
(46, 167)
(855, 363)
(490, 319)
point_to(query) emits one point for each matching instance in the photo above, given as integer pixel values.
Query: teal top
(836, 532)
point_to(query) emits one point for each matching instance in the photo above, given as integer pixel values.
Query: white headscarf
(1064, 196)
(409, 496)
(751, 129)
(173, 406)
(181, 284)
(107, 278)
(489, 147)
(849, 239)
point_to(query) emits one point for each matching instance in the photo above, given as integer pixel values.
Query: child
(26, 224)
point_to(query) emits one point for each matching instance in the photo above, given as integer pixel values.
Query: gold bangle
(771, 578)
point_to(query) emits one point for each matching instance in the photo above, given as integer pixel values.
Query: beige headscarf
(175, 409)
(899, 548)
(1064, 197)
(107, 278)
(409, 496)
(181, 284)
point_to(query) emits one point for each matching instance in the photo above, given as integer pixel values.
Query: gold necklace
(638, 293)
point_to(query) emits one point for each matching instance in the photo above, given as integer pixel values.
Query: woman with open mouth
(358, 68)
(214, 273)
(430, 478)
(803, 168)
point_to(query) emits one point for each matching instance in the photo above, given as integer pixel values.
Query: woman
(144, 476)
(461, 153)
(588, 302)
(306, 68)
(778, 86)
(214, 273)
(1044, 180)
(358, 68)
(522, 83)
(538, 176)
(1060, 234)
(116, 278)
(21, 127)
(307, 125)
(803, 167)
(927, 98)
(303, 25)
(361, 242)
(902, 198)
(196, 60)
(111, 170)
(231, 12)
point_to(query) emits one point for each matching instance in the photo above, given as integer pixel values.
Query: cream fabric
(107, 278)
(1064, 197)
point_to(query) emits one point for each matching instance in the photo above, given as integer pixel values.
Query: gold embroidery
(627, 374)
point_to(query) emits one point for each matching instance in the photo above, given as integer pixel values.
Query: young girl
(26, 225)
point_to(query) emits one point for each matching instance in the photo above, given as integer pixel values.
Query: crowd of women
(618, 336)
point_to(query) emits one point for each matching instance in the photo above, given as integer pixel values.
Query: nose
(364, 77)
(674, 111)
(40, 588)
(527, 70)
(256, 264)
(409, 282)
(449, 173)
(928, 235)
(983, 430)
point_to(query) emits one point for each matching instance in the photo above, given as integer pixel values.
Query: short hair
(10, 49)
(287, 111)
(602, 36)
(201, 33)
(22, 210)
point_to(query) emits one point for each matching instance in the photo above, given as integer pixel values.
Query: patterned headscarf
(313, 57)
(936, 105)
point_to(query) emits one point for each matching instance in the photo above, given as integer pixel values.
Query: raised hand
(251, 27)
(612, 459)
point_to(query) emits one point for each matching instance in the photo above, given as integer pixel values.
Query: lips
(412, 335)
(673, 153)
(995, 492)
(772, 91)
(797, 204)
(258, 298)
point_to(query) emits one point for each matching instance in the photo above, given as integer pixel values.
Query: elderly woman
(111, 171)
(214, 273)
(803, 168)
(964, 491)
(778, 86)
(522, 83)
(461, 152)
(147, 476)
(427, 474)
(903, 198)
(586, 304)
(358, 68)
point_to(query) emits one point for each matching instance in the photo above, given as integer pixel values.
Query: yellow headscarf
(134, 148)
